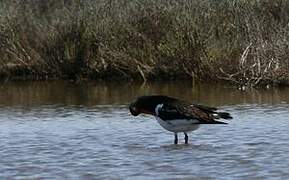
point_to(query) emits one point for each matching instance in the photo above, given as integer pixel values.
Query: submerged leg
(186, 138)
(176, 138)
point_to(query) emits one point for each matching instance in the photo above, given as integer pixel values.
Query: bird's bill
(136, 111)
(146, 112)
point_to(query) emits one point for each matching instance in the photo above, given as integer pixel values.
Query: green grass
(244, 42)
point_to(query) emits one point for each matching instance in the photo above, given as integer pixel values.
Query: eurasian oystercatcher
(177, 115)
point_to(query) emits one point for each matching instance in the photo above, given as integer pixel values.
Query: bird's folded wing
(173, 111)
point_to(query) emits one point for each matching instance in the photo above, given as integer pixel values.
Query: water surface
(62, 130)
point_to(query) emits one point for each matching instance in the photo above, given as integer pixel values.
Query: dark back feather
(173, 108)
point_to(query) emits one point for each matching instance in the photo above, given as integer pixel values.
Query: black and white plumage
(177, 115)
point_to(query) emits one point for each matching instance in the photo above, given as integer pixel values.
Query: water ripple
(97, 142)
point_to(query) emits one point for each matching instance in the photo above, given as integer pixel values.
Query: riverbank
(244, 42)
(62, 130)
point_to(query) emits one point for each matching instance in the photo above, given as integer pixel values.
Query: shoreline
(120, 80)
(244, 43)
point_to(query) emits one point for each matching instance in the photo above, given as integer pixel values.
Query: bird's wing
(205, 108)
(182, 110)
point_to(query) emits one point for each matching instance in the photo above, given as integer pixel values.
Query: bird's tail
(219, 122)
(213, 122)
(222, 115)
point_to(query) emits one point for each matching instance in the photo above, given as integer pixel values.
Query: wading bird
(177, 115)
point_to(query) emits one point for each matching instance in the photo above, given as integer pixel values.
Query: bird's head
(145, 105)
(134, 110)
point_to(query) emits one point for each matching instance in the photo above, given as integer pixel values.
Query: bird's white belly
(179, 125)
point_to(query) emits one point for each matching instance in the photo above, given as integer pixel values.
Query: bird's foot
(186, 138)
(176, 138)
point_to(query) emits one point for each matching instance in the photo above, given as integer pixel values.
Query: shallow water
(60, 130)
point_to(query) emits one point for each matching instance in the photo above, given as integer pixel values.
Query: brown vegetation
(244, 42)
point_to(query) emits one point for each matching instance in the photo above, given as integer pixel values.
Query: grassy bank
(244, 42)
